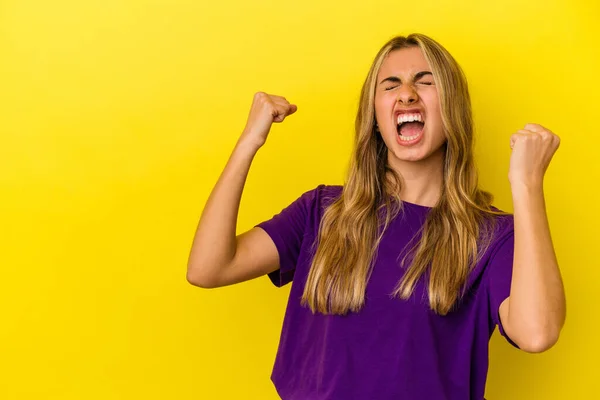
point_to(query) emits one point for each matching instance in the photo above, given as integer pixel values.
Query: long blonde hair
(353, 225)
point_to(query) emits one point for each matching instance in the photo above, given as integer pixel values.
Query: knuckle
(546, 135)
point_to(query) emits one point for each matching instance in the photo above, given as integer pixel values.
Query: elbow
(538, 332)
(538, 343)
(195, 278)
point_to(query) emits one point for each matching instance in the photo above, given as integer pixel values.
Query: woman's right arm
(218, 257)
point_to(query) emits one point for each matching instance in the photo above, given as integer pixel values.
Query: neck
(421, 180)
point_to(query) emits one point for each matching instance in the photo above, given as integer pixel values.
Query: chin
(416, 153)
(402, 156)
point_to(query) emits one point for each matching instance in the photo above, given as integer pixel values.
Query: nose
(407, 95)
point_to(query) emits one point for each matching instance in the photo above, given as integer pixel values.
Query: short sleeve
(499, 276)
(287, 230)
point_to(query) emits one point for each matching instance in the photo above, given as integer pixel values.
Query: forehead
(405, 61)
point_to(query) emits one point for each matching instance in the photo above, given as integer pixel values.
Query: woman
(401, 275)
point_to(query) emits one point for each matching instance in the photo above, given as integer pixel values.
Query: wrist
(247, 146)
(527, 194)
(528, 185)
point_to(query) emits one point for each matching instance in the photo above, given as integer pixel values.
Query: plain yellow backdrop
(117, 116)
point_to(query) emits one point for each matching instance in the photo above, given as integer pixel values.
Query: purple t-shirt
(392, 348)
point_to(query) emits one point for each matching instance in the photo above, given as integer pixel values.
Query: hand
(532, 149)
(265, 110)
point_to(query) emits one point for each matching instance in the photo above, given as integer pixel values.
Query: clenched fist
(532, 149)
(265, 109)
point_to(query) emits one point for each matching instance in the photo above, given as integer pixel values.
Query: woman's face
(406, 93)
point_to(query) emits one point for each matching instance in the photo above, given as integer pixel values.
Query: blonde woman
(400, 275)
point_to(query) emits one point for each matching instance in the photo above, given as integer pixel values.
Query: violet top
(392, 348)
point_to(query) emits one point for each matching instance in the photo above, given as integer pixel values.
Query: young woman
(400, 275)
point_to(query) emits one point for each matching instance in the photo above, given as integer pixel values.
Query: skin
(534, 313)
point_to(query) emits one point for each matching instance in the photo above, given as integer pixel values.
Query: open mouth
(410, 126)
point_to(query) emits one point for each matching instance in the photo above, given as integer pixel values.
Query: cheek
(382, 107)
(430, 98)
(433, 108)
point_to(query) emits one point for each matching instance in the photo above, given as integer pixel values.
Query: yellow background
(116, 118)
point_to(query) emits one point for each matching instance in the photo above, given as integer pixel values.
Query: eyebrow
(417, 76)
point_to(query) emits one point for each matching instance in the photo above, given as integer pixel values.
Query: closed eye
(428, 83)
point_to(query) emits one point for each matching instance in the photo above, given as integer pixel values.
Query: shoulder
(503, 223)
(330, 193)
(502, 230)
(311, 205)
(323, 195)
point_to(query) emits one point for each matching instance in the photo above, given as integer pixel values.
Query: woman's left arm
(534, 313)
